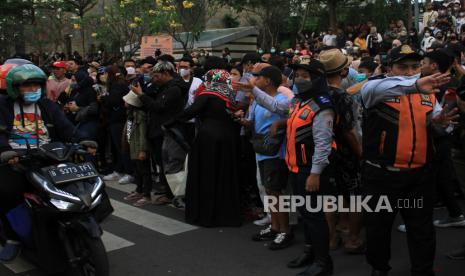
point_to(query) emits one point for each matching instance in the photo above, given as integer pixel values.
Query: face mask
(68, 75)
(427, 34)
(442, 12)
(32, 97)
(260, 52)
(273, 50)
(360, 77)
(290, 83)
(147, 77)
(184, 72)
(296, 52)
(302, 86)
(461, 14)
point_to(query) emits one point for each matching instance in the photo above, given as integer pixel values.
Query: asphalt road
(155, 241)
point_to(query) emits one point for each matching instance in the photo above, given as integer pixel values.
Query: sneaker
(450, 222)
(10, 251)
(281, 241)
(401, 228)
(126, 179)
(266, 234)
(114, 176)
(458, 254)
(263, 221)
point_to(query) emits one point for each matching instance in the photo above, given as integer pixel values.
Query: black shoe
(306, 258)
(281, 241)
(458, 254)
(319, 268)
(375, 272)
(266, 234)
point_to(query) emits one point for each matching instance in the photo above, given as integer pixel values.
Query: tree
(184, 20)
(124, 24)
(269, 15)
(80, 8)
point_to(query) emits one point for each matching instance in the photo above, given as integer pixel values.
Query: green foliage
(229, 21)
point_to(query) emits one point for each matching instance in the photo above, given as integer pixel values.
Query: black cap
(272, 73)
(443, 57)
(402, 53)
(309, 64)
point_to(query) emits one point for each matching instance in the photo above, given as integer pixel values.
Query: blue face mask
(295, 89)
(147, 77)
(32, 97)
(360, 77)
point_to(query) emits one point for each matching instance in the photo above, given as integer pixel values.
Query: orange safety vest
(397, 133)
(300, 145)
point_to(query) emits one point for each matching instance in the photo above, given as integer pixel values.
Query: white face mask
(184, 72)
(427, 34)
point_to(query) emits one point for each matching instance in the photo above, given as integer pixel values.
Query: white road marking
(111, 242)
(152, 221)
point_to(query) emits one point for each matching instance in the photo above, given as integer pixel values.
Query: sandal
(162, 200)
(142, 202)
(133, 196)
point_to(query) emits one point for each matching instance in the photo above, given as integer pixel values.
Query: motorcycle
(58, 222)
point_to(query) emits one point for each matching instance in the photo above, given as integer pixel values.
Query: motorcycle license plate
(71, 172)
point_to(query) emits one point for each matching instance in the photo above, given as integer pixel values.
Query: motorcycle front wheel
(93, 260)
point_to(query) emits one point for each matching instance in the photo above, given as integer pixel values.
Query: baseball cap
(272, 73)
(402, 53)
(59, 64)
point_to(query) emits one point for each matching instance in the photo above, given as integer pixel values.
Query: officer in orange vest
(400, 111)
(309, 144)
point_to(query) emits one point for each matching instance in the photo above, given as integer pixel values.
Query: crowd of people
(351, 112)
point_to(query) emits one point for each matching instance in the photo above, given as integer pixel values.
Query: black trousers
(400, 187)
(156, 146)
(122, 160)
(143, 176)
(315, 224)
(12, 187)
(444, 176)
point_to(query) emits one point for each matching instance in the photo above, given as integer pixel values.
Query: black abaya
(212, 188)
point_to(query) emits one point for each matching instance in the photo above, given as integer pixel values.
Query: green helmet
(27, 73)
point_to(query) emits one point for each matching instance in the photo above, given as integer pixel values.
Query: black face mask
(68, 75)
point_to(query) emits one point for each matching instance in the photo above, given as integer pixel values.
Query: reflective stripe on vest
(412, 135)
(299, 127)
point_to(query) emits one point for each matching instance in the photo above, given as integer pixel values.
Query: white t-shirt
(33, 129)
(196, 82)
(329, 40)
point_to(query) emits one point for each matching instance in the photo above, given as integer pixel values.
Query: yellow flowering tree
(184, 20)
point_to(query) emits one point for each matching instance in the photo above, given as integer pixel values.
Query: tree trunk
(408, 7)
(332, 4)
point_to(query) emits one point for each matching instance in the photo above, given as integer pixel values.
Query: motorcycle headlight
(61, 204)
(56, 193)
